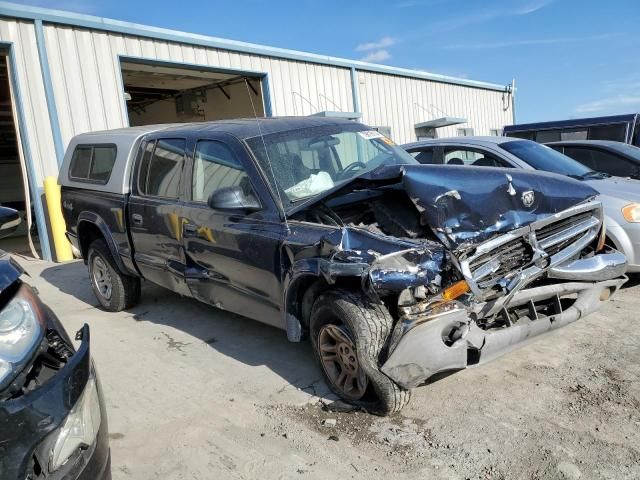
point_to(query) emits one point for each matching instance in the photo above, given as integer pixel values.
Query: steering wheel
(353, 166)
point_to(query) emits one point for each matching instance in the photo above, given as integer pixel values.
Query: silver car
(620, 196)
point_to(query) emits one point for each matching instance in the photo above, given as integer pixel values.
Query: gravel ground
(194, 392)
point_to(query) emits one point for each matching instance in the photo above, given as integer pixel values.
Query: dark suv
(396, 271)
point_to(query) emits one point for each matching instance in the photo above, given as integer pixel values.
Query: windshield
(307, 162)
(544, 158)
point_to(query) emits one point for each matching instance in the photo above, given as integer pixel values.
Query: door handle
(136, 218)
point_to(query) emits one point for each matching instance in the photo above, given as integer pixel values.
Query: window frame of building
(464, 132)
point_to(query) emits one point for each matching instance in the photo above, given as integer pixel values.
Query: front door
(232, 255)
(154, 213)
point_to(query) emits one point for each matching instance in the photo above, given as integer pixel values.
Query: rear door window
(425, 156)
(92, 163)
(161, 171)
(472, 157)
(602, 161)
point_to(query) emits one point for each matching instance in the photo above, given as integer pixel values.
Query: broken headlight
(21, 331)
(81, 426)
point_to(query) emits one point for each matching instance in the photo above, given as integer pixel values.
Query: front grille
(549, 231)
(487, 268)
(497, 264)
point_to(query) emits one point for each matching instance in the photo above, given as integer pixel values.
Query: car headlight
(21, 331)
(631, 212)
(80, 427)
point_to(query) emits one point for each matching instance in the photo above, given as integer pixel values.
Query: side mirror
(9, 221)
(234, 198)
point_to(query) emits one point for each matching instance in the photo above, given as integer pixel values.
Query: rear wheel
(348, 334)
(114, 290)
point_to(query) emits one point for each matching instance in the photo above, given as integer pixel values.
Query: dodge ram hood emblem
(528, 198)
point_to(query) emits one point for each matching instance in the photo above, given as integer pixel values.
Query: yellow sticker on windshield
(388, 141)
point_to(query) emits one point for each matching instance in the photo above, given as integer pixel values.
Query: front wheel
(114, 290)
(348, 332)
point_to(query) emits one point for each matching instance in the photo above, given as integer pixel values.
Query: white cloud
(616, 104)
(384, 42)
(488, 15)
(530, 41)
(377, 56)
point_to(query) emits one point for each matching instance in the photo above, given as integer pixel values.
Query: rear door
(154, 212)
(233, 255)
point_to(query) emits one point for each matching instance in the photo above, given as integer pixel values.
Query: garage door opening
(14, 188)
(168, 94)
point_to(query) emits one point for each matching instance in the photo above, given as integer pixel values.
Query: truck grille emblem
(528, 198)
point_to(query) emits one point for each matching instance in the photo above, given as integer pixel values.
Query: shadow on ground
(634, 280)
(241, 338)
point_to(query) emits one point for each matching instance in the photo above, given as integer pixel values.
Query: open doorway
(161, 93)
(14, 188)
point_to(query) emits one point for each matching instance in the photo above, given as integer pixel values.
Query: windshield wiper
(595, 174)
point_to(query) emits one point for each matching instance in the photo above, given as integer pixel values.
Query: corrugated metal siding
(87, 81)
(29, 74)
(87, 87)
(401, 102)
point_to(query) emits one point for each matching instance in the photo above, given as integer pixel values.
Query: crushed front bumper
(30, 424)
(426, 346)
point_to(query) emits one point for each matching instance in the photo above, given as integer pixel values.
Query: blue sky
(570, 58)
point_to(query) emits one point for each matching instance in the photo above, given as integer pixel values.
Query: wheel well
(303, 293)
(87, 233)
(610, 242)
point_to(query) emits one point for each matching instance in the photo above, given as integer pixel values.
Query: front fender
(305, 279)
(620, 238)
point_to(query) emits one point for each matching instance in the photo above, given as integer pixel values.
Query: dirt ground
(193, 392)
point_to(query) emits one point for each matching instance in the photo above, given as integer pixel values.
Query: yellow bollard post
(56, 220)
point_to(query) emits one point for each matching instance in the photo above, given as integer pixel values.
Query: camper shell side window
(93, 163)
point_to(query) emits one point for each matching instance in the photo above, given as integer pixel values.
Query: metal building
(63, 73)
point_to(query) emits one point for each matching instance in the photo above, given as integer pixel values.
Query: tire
(367, 324)
(117, 291)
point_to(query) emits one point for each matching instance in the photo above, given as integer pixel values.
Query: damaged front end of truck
(469, 262)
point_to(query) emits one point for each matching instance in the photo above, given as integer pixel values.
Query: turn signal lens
(603, 237)
(455, 290)
(631, 212)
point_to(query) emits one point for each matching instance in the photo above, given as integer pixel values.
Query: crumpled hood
(468, 205)
(10, 271)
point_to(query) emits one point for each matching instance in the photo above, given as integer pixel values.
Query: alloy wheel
(340, 362)
(101, 278)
